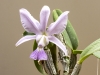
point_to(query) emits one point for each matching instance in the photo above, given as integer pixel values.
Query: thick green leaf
(59, 12)
(27, 33)
(55, 15)
(93, 47)
(97, 54)
(66, 38)
(72, 35)
(71, 32)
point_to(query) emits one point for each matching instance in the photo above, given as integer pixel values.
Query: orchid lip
(38, 54)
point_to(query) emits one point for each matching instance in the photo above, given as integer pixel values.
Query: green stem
(77, 51)
(73, 60)
(76, 69)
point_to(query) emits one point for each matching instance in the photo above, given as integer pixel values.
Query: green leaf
(55, 15)
(89, 50)
(27, 33)
(71, 33)
(66, 38)
(38, 66)
(97, 54)
(59, 12)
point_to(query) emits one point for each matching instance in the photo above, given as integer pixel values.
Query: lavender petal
(56, 41)
(59, 25)
(42, 55)
(28, 22)
(34, 55)
(44, 15)
(26, 38)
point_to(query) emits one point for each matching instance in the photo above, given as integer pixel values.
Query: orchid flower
(43, 34)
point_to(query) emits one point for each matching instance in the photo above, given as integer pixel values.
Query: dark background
(84, 15)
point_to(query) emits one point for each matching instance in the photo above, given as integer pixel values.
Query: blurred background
(84, 16)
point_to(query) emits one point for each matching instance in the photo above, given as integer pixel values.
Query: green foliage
(93, 48)
(27, 33)
(72, 35)
(55, 15)
(67, 40)
(97, 54)
(77, 51)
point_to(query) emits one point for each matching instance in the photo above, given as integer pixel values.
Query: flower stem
(76, 69)
(73, 60)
